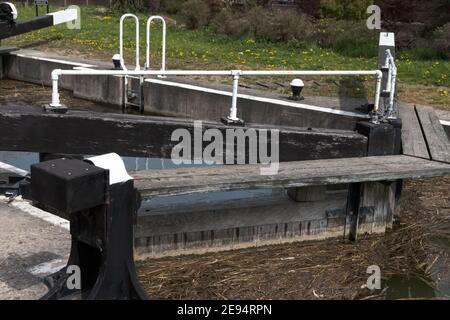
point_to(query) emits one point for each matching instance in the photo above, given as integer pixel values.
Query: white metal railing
(129, 93)
(147, 44)
(235, 74)
(136, 19)
(163, 44)
(390, 84)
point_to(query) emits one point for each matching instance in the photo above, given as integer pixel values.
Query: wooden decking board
(413, 141)
(435, 136)
(291, 174)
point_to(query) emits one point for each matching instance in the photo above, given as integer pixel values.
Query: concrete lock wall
(186, 98)
(36, 67)
(211, 102)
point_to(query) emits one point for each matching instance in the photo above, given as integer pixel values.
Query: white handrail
(163, 50)
(392, 79)
(122, 61)
(236, 74)
(96, 72)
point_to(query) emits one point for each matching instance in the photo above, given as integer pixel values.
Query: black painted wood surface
(9, 30)
(26, 128)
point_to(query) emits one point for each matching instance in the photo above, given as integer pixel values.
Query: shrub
(290, 25)
(338, 9)
(279, 25)
(259, 22)
(172, 6)
(154, 5)
(442, 41)
(195, 13)
(215, 7)
(228, 23)
(123, 6)
(347, 37)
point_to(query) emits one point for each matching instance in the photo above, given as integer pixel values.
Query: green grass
(99, 34)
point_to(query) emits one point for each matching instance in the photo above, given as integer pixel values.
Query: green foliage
(290, 26)
(204, 48)
(123, 6)
(264, 24)
(442, 41)
(345, 9)
(195, 13)
(350, 38)
(172, 6)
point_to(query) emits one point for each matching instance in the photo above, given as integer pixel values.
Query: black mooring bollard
(102, 216)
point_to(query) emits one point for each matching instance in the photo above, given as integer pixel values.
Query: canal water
(399, 286)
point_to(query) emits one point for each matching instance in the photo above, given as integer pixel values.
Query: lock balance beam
(99, 199)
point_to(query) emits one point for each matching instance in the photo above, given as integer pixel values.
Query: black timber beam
(8, 30)
(27, 128)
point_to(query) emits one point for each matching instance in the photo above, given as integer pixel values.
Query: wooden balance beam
(363, 199)
(326, 198)
(29, 128)
(293, 174)
(8, 30)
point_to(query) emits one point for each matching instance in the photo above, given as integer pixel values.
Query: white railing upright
(163, 44)
(391, 84)
(122, 61)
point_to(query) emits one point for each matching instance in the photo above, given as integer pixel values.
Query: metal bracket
(16, 185)
(56, 109)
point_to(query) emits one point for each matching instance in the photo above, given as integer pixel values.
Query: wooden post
(370, 205)
(353, 207)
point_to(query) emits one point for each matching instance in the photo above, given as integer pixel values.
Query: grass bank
(426, 81)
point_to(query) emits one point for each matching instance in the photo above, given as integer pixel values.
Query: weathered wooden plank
(26, 128)
(413, 141)
(375, 207)
(306, 194)
(246, 213)
(199, 242)
(290, 174)
(370, 208)
(352, 211)
(435, 136)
